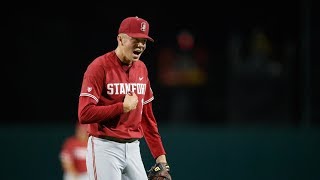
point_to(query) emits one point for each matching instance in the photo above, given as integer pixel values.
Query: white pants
(109, 160)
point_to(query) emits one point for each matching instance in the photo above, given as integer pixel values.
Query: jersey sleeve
(91, 89)
(148, 97)
(151, 132)
(93, 81)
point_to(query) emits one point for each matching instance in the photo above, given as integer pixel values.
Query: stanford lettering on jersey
(125, 88)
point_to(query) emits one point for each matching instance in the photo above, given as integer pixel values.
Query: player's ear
(120, 39)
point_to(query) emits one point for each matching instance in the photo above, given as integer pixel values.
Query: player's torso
(118, 82)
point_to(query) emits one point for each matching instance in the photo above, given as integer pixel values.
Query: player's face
(133, 48)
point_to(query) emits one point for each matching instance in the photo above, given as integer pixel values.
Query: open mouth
(137, 52)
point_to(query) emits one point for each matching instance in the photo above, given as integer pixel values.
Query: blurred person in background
(73, 155)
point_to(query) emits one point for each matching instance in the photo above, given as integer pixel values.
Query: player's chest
(119, 82)
(133, 75)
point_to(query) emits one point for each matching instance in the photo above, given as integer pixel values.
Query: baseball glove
(160, 171)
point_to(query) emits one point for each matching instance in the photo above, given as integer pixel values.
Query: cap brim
(139, 35)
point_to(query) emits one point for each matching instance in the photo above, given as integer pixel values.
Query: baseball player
(116, 103)
(73, 155)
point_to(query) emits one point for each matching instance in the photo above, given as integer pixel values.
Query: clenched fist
(130, 102)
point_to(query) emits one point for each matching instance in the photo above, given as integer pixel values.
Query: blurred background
(235, 83)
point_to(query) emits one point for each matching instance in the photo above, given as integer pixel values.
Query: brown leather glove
(160, 171)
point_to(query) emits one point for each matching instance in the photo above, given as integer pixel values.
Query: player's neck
(122, 58)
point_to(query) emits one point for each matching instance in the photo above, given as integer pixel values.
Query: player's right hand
(130, 102)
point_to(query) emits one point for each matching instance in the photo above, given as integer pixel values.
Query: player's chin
(135, 58)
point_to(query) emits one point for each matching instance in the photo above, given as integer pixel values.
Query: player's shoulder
(103, 61)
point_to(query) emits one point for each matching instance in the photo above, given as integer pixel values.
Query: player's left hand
(160, 171)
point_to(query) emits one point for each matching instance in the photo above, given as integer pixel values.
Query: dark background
(48, 46)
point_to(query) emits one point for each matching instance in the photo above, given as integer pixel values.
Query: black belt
(119, 140)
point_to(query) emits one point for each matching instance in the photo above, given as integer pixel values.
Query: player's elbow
(86, 114)
(84, 117)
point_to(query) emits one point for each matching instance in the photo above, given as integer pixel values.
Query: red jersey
(105, 84)
(74, 150)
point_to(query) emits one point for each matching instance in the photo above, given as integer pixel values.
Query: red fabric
(135, 27)
(75, 150)
(151, 132)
